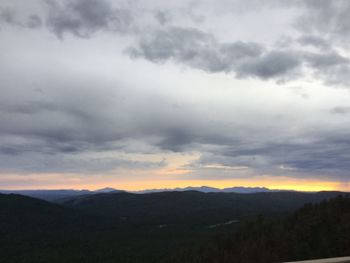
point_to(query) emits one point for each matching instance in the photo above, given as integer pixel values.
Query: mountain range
(116, 226)
(53, 195)
(207, 189)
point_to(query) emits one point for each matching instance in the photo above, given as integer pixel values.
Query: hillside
(192, 206)
(111, 227)
(21, 213)
(314, 231)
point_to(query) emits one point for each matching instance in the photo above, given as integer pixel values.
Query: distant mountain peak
(246, 190)
(208, 189)
(205, 189)
(106, 190)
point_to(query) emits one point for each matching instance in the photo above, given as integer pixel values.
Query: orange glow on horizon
(298, 185)
(282, 183)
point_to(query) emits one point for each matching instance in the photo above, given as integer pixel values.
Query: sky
(158, 94)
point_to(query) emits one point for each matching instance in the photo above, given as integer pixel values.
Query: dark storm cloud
(85, 17)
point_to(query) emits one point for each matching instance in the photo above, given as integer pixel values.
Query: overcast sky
(150, 93)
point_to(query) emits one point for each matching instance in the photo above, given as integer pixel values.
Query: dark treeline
(314, 231)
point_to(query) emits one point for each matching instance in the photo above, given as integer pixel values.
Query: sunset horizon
(186, 131)
(285, 184)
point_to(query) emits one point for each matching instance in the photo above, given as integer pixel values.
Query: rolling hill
(192, 207)
(125, 227)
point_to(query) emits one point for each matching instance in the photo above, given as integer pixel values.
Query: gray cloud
(342, 110)
(9, 16)
(182, 44)
(34, 21)
(329, 18)
(330, 67)
(32, 162)
(325, 157)
(315, 41)
(31, 107)
(201, 50)
(82, 18)
(325, 60)
(177, 139)
(163, 17)
(90, 107)
(270, 65)
(74, 118)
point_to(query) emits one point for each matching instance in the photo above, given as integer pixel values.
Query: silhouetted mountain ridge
(53, 195)
(208, 189)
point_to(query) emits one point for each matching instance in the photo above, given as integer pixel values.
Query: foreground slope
(314, 231)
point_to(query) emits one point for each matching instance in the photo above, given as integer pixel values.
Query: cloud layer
(97, 86)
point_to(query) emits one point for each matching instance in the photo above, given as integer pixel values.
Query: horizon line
(167, 189)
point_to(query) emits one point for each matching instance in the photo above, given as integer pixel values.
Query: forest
(175, 227)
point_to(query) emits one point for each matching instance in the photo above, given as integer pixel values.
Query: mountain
(207, 189)
(203, 189)
(26, 214)
(34, 230)
(192, 207)
(54, 195)
(247, 190)
(48, 195)
(107, 190)
(126, 227)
